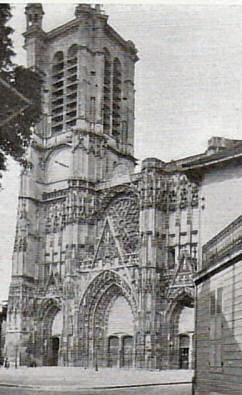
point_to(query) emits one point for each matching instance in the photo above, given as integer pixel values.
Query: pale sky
(188, 84)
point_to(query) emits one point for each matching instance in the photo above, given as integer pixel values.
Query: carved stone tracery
(124, 212)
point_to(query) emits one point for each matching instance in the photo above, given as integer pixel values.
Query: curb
(77, 388)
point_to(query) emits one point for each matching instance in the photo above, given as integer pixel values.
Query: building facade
(218, 341)
(104, 258)
(218, 314)
(3, 317)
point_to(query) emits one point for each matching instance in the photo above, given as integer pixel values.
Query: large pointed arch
(94, 310)
(182, 299)
(47, 313)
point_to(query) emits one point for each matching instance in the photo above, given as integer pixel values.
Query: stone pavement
(74, 378)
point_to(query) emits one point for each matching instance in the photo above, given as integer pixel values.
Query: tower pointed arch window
(57, 92)
(71, 86)
(107, 92)
(116, 99)
(124, 132)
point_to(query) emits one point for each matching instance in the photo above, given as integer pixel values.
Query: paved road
(177, 389)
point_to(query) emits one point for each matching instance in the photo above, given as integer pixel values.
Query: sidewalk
(74, 378)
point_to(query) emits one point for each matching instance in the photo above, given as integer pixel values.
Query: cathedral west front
(104, 257)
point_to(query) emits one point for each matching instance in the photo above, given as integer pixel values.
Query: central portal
(107, 323)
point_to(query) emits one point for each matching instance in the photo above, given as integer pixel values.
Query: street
(174, 389)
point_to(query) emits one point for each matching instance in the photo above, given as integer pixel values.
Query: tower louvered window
(124, 132)
(71, 86)
(116, 112)
(107, 92)
(57, 92)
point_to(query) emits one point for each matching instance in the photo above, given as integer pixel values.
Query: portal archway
(180, 319)
(100, 343)
(52, 324)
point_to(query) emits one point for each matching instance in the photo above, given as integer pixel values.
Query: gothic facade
(104, 258)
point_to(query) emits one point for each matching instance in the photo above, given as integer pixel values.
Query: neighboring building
(3, 317)
(218, 281)
(219, 315)
(104, 259)
(219, 175)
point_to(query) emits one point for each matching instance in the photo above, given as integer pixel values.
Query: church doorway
(180, 336)
(55, 343)
(120, 331)
(113, 351)
(127, 351)
(186, 331)
(52, 331)
(120, 351)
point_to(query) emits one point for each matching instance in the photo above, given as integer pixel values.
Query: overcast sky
(188, 83)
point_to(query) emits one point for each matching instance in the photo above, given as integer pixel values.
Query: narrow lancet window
(71, 86)
(57, 92)
(107, 93)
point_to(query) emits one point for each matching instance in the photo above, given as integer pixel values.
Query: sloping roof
(12, 102)
(216, 158)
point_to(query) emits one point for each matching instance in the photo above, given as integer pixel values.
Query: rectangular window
(212, 303)
(219, 300)
(92, 109)
(212, 354)
(124, 134)
(216, 330)
(171, 257)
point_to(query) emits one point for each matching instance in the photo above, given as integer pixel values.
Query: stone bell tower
(86, 132)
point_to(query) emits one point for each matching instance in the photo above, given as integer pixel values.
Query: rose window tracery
(124, 213)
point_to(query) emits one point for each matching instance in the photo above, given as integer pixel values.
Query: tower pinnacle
(34, 15)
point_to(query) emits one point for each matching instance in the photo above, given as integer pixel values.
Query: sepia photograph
(121, 198)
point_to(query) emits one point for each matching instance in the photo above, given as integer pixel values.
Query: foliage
(6, 45)
(16, 134)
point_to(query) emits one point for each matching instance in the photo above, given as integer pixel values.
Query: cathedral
(104, 258)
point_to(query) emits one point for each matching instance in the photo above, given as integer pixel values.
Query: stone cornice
(218, 266)
(125, 44)
(63, 29)
(35, 32)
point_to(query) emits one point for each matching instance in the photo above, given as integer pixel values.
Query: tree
(21, 85)
(6, 45)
